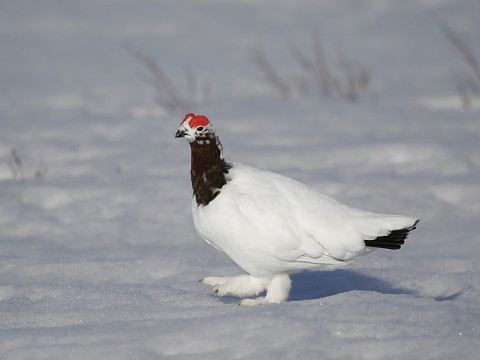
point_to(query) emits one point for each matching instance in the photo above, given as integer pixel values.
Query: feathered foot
(240, 286)
(277, 286)
(277, 292)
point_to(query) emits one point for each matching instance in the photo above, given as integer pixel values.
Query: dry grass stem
(348, 79)
(467, 84)
(167, 94)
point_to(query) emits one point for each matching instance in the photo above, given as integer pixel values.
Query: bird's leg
(278, 289)
(241, 286)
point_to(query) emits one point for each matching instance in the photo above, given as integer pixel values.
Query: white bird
(271, 225)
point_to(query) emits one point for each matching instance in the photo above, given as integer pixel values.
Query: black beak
(179, 134)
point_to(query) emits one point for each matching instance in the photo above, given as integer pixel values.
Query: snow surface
(98, 255)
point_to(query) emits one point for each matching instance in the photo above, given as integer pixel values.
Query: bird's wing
(298, 221)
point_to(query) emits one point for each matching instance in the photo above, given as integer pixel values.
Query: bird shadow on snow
(311, 285)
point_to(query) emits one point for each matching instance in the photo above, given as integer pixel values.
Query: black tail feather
(392, 241)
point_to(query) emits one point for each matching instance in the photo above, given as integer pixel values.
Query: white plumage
(271, 225)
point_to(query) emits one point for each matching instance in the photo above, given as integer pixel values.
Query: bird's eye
(200, 128)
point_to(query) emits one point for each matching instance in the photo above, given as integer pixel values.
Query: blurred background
(375, 103)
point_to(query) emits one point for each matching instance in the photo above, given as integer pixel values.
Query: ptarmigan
(271, 225)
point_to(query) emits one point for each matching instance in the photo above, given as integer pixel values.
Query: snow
(99, 258)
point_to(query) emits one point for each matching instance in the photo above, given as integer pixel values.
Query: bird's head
(195, 128)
